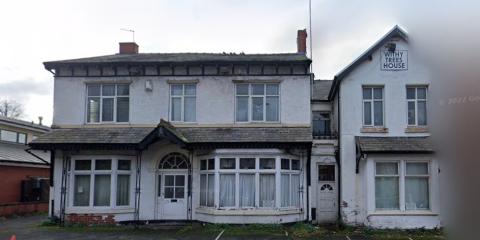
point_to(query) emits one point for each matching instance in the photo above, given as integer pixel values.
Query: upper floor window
(108, 103)
(11, 136)
(183, 98)
(373, 106)
(417, 106)
(321, 124)
(257, 102)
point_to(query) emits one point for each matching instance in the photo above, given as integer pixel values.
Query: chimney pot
(128, 48)
(40, 118)
(302, 41)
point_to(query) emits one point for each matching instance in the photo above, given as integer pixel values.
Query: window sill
(247, 212)
(404, 213)
(99, 210)
(374, 130)
(416, 129)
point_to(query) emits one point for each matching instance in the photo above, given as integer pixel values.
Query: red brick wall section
(11, 181)
(21, 208)
(91, 219)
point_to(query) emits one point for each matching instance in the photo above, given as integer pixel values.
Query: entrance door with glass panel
(173, 195)
(326, 193)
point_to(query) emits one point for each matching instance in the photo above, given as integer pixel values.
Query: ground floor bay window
(259, 182)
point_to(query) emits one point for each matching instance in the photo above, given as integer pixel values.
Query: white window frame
(182, 104)
(17, 140)
(402, 175)
(290, 172)
(101, 97)
(207, 172)
(416, 100)
(114, 172)
(372, 101)
(250, 95)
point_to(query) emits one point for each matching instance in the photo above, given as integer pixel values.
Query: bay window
(207, 182)
(290, 181)
(417, 106)
(257, 102)
(372, 106)
(101, 182)
(402, 185)
(183, 102)
(108, 103)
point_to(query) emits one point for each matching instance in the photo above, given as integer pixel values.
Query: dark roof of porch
(394, 144)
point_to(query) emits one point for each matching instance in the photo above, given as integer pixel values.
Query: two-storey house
(221, 138)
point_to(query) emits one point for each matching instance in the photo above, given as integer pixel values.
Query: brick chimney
(302, 41)
(128, 48)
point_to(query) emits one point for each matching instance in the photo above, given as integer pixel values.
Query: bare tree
(11, 108)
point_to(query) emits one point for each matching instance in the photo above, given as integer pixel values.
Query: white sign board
(394, 61)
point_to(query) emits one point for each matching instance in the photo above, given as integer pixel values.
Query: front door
(326, 194)
(172, 195)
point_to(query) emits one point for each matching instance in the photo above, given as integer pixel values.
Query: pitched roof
(169, 58)
(321, 89)
(22, 123)
(395, 32)
(15, 153)
(394, 144)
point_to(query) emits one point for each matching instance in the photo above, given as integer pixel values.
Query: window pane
(227, 163)
(211, 164)
(93, 90)
(123, 90)
(180, 180)
(378, 93)
(101, 195)
(267, 190)
(227, 190)
(123, 190)
(326, 172)
(176, 109)
(108, 90)
(417, 168)
(8, 136)
(107, 109)
(22, 138)
(123, 165)
(386, 193)
(180, 192)
(176, 90)
(93, 111)
(258, 89)
(82, 190)
(190, 109)
(386, 168)
(272, 89)
(203, 165)
(295, 164)
(168, 192)
(272, 108)
(242, 89)
(190, 89)
(257, 108)
(83, 164)
(378, 113)
(203, 190)
(416, 193)
(285, 190)
(242, 109)
(104, 164)
(295, 189)
(247, 163)
(210, 190)
(285, 164)
(410, 93)
(169, 179)
(267, 163)
(367, 113)
(123, 109)
(367, 93)
(422, 113)
(247, 190)
(411, 113)
(421, 93)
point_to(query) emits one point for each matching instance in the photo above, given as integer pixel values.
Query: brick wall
(11, 180)
(91, 219)
(20, 208)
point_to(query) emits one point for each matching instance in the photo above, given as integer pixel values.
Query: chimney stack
(302, 41)
(40, 118)
(128, 48)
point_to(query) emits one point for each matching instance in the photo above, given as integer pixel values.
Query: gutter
(28, 150)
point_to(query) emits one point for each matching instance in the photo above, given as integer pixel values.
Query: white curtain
(227, 190)
(123, 190)
(203, 190)
(416, 193)
(267, 190)
(285, 190)
(190, 109)
(210, 190)
(101, 194)
(386, 193)
(82, 190)
(247, 190)
(295, 183)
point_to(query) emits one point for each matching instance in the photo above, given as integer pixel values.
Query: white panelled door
(326, 194)
(172, 197)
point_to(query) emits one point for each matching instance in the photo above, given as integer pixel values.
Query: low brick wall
(91, 219)
(21, 208)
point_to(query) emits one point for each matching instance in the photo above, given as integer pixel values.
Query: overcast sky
(36, 31)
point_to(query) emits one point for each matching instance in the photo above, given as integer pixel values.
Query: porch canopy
(401, 145)
(139, 138)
